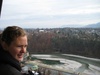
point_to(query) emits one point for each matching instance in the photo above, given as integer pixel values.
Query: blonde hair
(11, 33)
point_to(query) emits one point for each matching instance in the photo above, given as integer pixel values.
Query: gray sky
(49, 13)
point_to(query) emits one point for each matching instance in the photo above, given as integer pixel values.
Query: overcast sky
(49, 13)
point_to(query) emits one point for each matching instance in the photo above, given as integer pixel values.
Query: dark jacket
(8, 65)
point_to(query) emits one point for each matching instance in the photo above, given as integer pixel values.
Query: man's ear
(4, 45)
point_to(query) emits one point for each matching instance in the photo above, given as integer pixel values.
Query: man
(13, 45)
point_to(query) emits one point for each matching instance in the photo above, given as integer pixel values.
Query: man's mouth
(20, 55)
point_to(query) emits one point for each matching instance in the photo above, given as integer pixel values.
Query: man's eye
(18, 46)
(25, 45)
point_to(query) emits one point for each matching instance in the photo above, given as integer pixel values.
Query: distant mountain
(71, 26)
(97, 25)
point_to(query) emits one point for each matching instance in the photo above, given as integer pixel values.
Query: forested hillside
(78, 41)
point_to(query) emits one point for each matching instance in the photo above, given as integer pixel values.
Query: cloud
(50, 12)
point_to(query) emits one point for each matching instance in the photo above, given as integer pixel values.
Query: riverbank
(68, 66)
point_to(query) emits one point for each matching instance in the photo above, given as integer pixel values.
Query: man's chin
(20, 60)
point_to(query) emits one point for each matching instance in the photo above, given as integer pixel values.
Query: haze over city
(49, 13)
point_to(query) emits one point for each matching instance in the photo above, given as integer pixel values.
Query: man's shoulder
(6, 69)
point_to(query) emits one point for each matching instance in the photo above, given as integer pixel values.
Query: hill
(97, 25)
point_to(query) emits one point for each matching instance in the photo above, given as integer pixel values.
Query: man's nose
(23, 49)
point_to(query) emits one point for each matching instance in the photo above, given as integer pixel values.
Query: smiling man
(12, 49)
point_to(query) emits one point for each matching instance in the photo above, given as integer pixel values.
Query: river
(74, 63)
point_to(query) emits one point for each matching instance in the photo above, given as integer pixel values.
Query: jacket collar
(6, 58)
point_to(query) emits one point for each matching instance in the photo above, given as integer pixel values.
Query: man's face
(17, 48)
